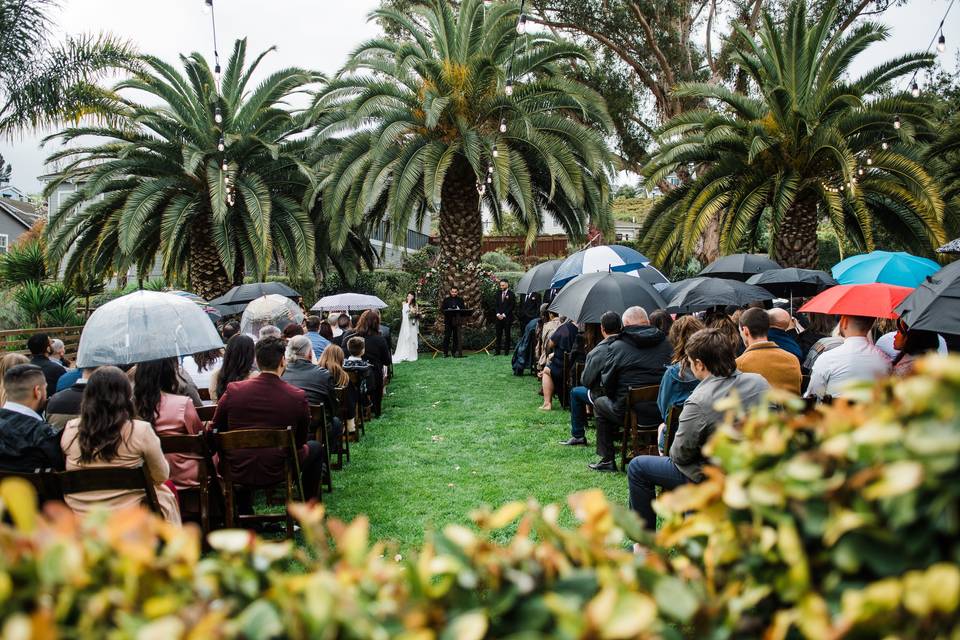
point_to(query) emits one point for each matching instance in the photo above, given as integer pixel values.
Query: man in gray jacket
(590, 388)
(713, 361)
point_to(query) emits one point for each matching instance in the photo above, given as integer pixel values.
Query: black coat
(27, 444)
(51, 372)
(637, 358)
(65, 405)
(506, 304)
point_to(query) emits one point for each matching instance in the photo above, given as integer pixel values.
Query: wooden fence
(543, 246)
(15, 340)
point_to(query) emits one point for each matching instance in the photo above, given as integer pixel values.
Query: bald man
(780, 322)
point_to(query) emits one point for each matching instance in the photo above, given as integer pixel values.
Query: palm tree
(944, 154)
(211, 180)
(426, 123)
(43, 82)
(807, 144)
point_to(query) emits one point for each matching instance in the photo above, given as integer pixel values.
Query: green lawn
(455, 434)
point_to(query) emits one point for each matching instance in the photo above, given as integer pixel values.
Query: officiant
(452, 319)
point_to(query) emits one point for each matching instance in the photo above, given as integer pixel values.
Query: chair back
(204, 393)
(206, 412)
(110, 479)
(638, 441)
(673, 422)
(44, 481)
(254, 439)
(196, 499)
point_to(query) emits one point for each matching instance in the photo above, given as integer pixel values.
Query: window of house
(3, 242)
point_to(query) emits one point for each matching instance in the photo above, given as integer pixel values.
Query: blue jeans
(578, 412)
(644, 475)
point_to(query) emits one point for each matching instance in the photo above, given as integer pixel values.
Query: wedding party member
(317, 339)
(451, 323)
(506, 301)
(638, 358)
(408, 343)
(238, 364)
(561, 342)
(157, 400)
(267, 402)
(856, 360)
(778, 367)
(711, 358)
(40, 352)
(27, 442)
(107, 435)
(590, 387)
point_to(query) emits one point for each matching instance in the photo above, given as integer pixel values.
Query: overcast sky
(319, 34)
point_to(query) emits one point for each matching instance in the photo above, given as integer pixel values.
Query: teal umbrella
(889, 267)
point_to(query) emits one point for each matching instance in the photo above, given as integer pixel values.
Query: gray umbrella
(538, 278)
(738, 266)
(699, 294)
(252, 291)
(588, 296)
(935, 304)
(791, 281)
(144, 326)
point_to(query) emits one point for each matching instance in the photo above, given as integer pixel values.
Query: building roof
(23, 212)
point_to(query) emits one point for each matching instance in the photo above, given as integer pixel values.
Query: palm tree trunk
(795, 243)
(461, 232)
(208, 278)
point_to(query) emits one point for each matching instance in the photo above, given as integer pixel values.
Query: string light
(896, 122)
(221, 144)
(884, 146)
(495, 152)
(207, 6)
(224, 165)
(915, 90)
(522, 24)
(217, 116)
(941, 43)
(860, 170)
(869, 161)
(503, 125)
(508, 89)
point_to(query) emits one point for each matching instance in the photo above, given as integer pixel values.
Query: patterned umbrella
(951, 247)
(348, 302)
(612, 257)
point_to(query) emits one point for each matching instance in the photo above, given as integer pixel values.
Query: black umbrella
(786, 283)
(230, 309)
(698, 294)
(951, 247)
(935, 304)
(248, 292)
(738, 266)
(538, 278)
(588, 296)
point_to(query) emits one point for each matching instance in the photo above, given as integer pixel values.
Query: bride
(407, 341)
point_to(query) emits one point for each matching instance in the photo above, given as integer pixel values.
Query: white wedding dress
(407, 341)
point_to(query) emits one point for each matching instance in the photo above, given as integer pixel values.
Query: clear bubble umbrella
(273, 309)
(348, 302)
(144, 326)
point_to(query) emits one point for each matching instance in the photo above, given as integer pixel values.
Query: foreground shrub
(840, 523)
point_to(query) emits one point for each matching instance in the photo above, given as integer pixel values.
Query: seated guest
(58, 352)
(269, 331)
(821, 346)
(267, 402)
(332, 362)
(40, 352)
(291, 330)
(886, 341)
(156, 400)
(562, 342)
(107, 435)
(911, 345)
(856, 360)
(200, 366)
(638, 358)
(548, 324)
(333, 319)
(661, 320)
(356, 362)
(317, 339)
(230, 329)
(580, 397)
(376, 351)
(64, 406)
(68, 379)
(315, 381)
(27, 442)
(778, 332)
(711, 358)
(810, 328)
(238, 364)
(7, 362)
(678, 381)
(345, 328)
(779, 368)
(718, 319)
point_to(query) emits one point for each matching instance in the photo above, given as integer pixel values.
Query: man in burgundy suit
(264, 402)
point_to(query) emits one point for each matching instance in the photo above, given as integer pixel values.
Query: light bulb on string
(508, 89)
(915, 89)
(489, 168)
(207, 7)
(941, 43)
(217, 116)
(503, 125)
(884, 146)
(860, 170)
(869, 161)
(896, 122)
(224, 166)
(216, 68)
(522, 24)
(221, 144)
(489, 180)
(495, 152)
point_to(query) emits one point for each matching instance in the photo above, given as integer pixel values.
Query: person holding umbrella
(856, 360)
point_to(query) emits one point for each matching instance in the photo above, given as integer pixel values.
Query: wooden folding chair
(561, 388)
(361, 412)
(45, 482)
(110, 479)
(209, 487)
(246, 439)
(343, 404)
(206, 412)
(204, 393)
(640, 439)
(673, 422)
(318, 425)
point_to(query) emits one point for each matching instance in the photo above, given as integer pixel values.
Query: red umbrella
(875, 300)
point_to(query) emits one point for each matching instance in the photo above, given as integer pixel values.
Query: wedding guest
(377, 353)
(40, 352)
(549, 323)
(911, 345)
(356, 362)
(200, 366)
(561, 342)
(506, 301)
(718, 319)
(27, 442)
(65, 405)
(678, 381)
(662, 321)
(319, 341)
(230, 329)
(638, 358)
(590, 387)
(269, 331)
(344, 324)
(778, 367)
(267, 402)
(238, 364)
(886, 341)
(58, 352)
(332, 361)
(156, 399)
(711, 358)
(291, 330)
(7, 362)
(107, 435)
(856, 360)
(778, 333)
(315, 381)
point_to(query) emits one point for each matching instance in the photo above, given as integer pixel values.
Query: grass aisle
(455, 434)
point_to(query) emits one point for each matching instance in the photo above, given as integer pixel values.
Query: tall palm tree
(426, 123)
(43, 81)
(806, 144)
(211, 180)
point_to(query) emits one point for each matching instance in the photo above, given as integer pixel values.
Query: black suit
(506, 301)
(451, 325)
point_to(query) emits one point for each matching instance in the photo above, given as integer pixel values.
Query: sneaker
(575, 442)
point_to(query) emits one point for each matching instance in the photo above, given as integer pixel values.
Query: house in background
(12, 193)
(390, 254)
(16, 218)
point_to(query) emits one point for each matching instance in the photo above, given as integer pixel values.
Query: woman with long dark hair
(107, 435)
(238, 362)
(157, 400)
(377, 352)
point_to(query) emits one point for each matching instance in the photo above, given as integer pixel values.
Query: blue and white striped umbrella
(613, 257)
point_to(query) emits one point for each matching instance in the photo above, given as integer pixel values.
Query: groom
(506, 301)
(451, 323)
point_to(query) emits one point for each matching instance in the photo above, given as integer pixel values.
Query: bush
(497, 261)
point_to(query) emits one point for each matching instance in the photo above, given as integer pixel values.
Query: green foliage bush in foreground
(836, 524)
